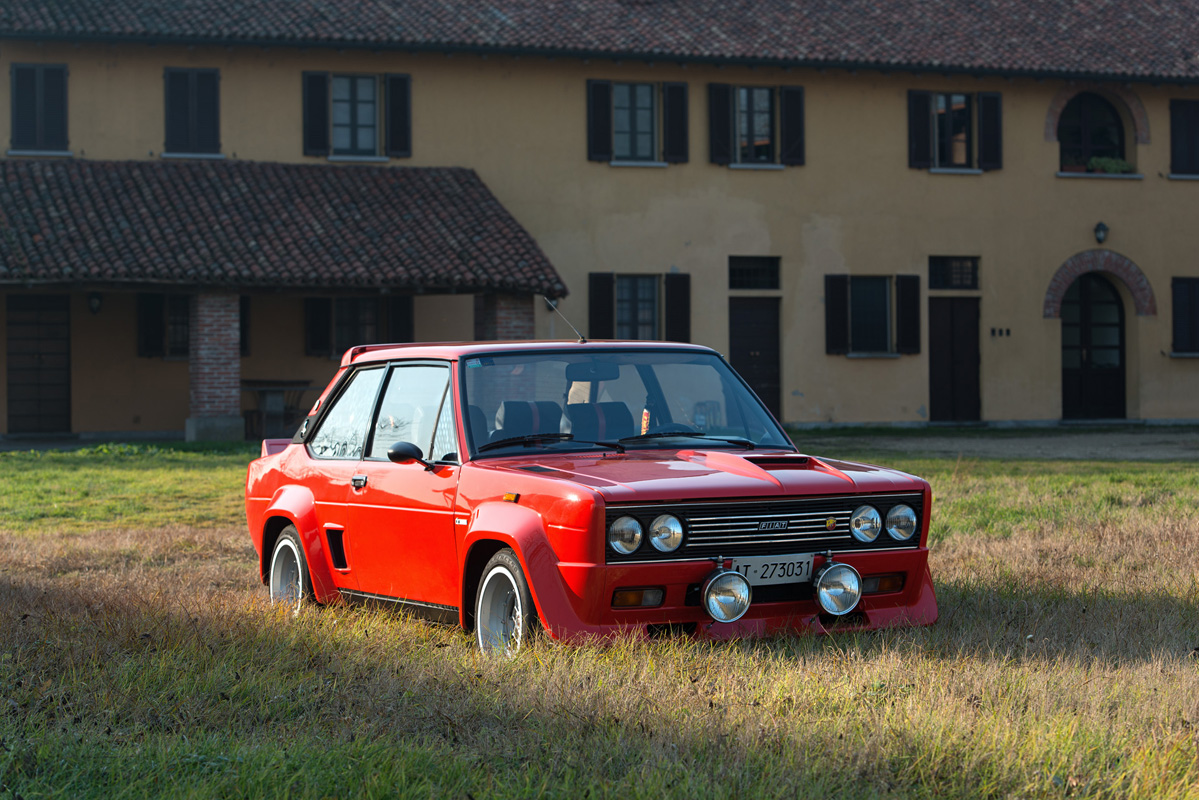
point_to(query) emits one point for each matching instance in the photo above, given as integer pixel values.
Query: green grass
(138, 659)
(117, 486)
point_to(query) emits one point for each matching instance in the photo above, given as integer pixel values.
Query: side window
(343, 431)
(414, 403)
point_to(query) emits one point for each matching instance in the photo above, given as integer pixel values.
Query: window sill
(1174, 354)
(360, 159)
(631, 163)
(762, 167)
(198, 156)
(1176, 176)
(41, 153)
(872, 355)
(954, 171)
(1103, 176)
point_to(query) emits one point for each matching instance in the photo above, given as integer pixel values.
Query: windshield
(637, 398)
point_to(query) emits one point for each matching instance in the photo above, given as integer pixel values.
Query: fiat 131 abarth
(589, 489)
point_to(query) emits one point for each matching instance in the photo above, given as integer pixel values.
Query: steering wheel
(672, 427)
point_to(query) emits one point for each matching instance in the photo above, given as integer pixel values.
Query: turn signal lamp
(638, 598)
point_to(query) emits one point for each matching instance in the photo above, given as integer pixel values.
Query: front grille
(735, 528)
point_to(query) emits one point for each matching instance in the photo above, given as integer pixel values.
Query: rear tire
(289, 581)
(504, 611)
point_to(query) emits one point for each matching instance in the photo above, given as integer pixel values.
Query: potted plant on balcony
(1111, 166)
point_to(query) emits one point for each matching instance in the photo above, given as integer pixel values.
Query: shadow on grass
(219, 695)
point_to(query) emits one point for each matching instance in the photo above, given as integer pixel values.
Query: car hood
(657, 475)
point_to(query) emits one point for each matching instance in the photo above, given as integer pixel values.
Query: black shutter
(400, 325)
(675, 144)
(1184, 137)
(920, 129)
(791, 129)
(399, 116)
(677, 287)
(151, 325)
(178, 111)
(599, 120)
(243, 325)
(907, 313)
(836, 314)
(54, 108)
(318, 326)
(601, 305)
(1186, 314)
(24, 108)
(720, 123)
(990, 130)
(206, 125)
(316, 113)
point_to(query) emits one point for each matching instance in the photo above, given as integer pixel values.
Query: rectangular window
(755, 125)
(953, 272)
(1184, 137)
(945, 131)
(355, 102)
(753, 272)
(871, 314)
(637, 307)
(163, 325)
(1186, 315)
(192, 111)
(39, 107)
(634, 122)
(332, 326)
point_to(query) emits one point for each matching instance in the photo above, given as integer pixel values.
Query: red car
(593, 488)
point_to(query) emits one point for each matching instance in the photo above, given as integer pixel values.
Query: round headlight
(727, 595)
(865, 524)
(666, 533)
(838, 588)
(901, 522)
(625, 535)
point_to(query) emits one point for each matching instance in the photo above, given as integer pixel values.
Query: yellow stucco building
(905, 228)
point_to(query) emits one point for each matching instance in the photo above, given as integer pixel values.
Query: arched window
(1089, 127)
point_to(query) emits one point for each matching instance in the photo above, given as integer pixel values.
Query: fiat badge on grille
(773, 525)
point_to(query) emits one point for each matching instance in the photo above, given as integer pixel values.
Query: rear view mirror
(592, 371)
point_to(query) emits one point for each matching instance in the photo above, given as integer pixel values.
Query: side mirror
(406, 453)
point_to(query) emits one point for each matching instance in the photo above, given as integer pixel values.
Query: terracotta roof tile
(241, 223)
(1117, 38)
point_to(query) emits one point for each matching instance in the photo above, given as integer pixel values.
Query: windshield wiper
(538, 438)
(737, 440)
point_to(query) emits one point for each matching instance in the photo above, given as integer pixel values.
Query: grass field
(138, 659)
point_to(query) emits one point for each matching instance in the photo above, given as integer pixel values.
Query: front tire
(290, 583)
(504, 611)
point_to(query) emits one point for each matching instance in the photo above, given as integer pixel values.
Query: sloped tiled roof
(1138, 39)
(244, 224)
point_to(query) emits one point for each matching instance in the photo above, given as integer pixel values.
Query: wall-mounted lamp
(1100, 233)
(93, 302)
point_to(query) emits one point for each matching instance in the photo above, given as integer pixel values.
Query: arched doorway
(1092, 350)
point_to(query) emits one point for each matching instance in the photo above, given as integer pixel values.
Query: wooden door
(1092, 350)
(39, 363)
(754, 349)
(953, 359)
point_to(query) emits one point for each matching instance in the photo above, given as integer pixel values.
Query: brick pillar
(504, 316)
(215, 369)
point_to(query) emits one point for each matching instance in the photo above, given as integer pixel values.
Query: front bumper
(587, 612)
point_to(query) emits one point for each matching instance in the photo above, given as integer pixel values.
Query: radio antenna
(552, 305)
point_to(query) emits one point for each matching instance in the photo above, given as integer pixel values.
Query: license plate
(769, 570)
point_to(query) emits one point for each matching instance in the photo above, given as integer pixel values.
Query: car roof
(455, 350)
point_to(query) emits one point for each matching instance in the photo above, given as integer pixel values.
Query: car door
(334, 451)
(401, 523)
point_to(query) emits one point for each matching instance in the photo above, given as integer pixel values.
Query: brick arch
(1132, 104)
(1105, 261)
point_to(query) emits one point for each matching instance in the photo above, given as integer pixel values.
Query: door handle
(358, 481)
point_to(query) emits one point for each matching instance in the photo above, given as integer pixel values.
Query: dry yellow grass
(145, 662)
